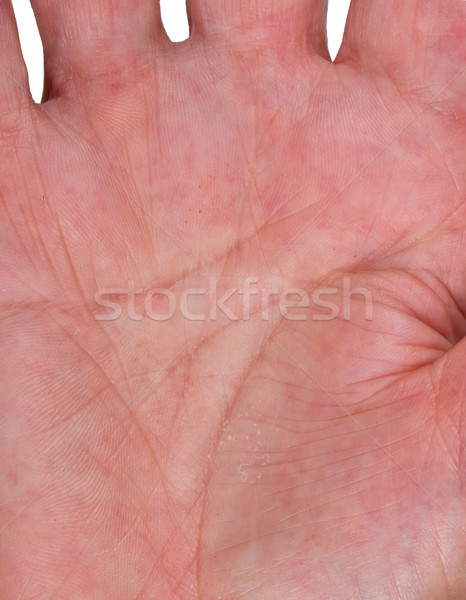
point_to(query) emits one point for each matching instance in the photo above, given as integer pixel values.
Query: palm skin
(256, 458)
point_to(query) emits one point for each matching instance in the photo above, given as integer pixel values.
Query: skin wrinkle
(161, 554)
(46, 487)
(345, 410)
(37, 230)
(125, 404)
(15, 229)
(215, 450)
(402, 131)
(192, 379)
(61, 585)
(59, 125)
(436, 382)
(321, 480)
(346, 497)
(411, 311)
(235, 248)
(244, 241)
(327, 464)
(414, 274)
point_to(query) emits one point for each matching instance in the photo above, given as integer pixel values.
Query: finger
(93, 40)
(14, 87)
(262, 22)
(420, 42)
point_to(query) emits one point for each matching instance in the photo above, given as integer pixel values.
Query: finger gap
(31, 47)
(336, 23)
(175, 19)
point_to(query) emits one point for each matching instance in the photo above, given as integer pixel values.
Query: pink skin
(252, 459)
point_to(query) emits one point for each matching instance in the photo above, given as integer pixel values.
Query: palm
(254, 458)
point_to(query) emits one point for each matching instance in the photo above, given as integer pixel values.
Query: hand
(267, 451)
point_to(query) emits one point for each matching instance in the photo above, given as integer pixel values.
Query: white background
(174, 18)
